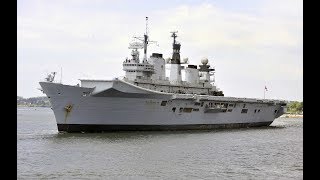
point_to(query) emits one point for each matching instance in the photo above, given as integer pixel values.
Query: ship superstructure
(146, 99)
(151, 73)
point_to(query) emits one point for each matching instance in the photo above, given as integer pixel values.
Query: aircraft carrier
(146, 99)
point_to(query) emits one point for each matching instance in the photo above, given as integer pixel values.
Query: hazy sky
(250, 43)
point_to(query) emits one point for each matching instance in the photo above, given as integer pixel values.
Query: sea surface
(274, 152)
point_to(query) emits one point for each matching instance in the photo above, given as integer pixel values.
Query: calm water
(254, 153)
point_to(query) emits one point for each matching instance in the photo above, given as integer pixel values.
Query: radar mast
(145, 40)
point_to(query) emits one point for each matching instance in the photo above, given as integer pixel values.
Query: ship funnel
(175, 72)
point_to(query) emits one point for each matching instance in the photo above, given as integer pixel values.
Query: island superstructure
(146, 99)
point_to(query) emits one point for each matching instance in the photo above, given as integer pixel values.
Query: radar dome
(204, 61)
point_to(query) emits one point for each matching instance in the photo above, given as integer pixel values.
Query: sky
(251, 44)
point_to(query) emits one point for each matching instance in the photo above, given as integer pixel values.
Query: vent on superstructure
(163, 103)
(188, 110)
(245, 111)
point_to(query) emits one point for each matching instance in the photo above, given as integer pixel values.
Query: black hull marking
(111, 128)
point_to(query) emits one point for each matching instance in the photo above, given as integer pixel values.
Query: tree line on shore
(41, 101)
(295, 107)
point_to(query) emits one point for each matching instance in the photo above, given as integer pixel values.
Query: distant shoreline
(31, 106)
(292, 116)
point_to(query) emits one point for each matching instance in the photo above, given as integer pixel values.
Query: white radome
(185, 60)
(204, 61)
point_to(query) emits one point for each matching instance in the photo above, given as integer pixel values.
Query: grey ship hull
(120, 106)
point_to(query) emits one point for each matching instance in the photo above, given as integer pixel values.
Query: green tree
(295, 107)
